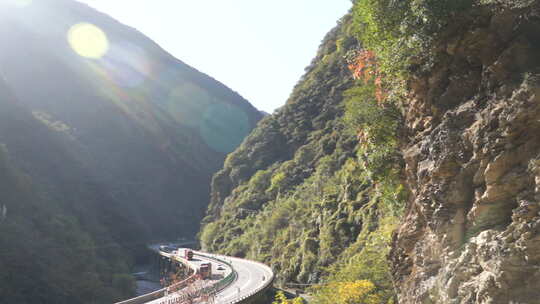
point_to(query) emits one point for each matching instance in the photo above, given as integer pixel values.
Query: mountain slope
(101, 151)
(446, 118)
(57, 233)
(145, 124)
(296, 194)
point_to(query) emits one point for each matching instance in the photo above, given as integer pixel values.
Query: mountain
(295, 194)
(59, 233)
(404, 166)
(107, 142)
(143, 123)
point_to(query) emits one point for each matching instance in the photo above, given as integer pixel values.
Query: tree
(282, 299)
(357, 292)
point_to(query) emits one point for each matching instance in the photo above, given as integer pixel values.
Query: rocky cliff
(472, 230)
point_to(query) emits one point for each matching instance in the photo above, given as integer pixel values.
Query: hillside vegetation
(414, 115)
(59, 237)
(148, 127)
(102, 150)
(304, 192)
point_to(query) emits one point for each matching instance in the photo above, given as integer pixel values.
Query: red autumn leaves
(364, 66)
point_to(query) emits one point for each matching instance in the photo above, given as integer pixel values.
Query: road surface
(251, 276)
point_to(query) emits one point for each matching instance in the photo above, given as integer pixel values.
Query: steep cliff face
(472, 232)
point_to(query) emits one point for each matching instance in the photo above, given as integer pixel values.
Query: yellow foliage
(282, 299)
(357, 292)
(297, 301)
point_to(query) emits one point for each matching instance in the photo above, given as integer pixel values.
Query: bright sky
(257, 48)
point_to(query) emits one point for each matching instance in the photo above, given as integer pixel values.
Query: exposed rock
(472, 231)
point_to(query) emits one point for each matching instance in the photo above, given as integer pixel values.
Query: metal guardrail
(216, 287)
(256, 291)
(155, 294)
(223, 283)
(145, 298)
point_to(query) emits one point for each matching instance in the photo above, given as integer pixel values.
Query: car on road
(165, 248)
(220, 267)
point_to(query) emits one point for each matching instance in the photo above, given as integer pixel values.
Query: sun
(88, 40)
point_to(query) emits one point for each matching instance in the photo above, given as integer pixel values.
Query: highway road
(251, 277)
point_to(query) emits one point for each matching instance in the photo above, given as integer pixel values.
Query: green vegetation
(48, 256)
(100, 157)
(401, 32)
(376, 126)
(282, 299)
(315, 190)
(361, 291)
(365, 261)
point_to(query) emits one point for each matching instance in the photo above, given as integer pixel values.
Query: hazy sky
(257, 48)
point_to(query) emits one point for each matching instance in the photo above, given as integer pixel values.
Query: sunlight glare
(20, 3)
(187, 103)
(88, 40)
(224, 126)
(127, 64)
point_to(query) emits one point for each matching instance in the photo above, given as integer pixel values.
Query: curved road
(251, 278)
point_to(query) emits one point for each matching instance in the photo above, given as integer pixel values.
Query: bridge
(234, 280)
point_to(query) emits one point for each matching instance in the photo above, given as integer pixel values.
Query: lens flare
(88, 40)
(224, 126)
(187, 104)
(127, 65)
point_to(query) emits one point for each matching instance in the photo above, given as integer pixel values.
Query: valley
(403, 167)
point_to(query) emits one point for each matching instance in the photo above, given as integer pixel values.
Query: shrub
(277, 182)
(282, 299)
(398, 31)
(376, 126)
(357, 292)
(208, 234)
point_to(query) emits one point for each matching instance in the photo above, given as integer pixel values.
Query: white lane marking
(242, 268)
